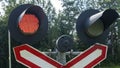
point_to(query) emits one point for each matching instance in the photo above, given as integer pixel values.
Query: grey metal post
(9, 45)
(61, 57)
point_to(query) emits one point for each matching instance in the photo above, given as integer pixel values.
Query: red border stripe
(35, 52)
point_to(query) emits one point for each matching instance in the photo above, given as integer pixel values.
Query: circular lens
(28, 24)
(95, 29)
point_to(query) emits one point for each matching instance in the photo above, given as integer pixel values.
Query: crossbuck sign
(32, 58)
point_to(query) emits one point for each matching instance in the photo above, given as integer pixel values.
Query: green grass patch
(116, 66)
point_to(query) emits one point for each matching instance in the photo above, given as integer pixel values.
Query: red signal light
(29, 24)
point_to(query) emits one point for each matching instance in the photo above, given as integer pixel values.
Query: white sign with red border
(89, 58)
(32, 58)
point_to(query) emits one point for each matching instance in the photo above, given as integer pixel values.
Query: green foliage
(59, 24)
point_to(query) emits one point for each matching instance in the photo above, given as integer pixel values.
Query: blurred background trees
(62, 22)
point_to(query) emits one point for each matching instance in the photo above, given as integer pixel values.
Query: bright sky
(56, 3)
(1, 8)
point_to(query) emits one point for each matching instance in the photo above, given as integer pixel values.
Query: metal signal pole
(9, 47)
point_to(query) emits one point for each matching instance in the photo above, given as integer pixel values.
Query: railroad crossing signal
(32, 58)
(64, 43)
(92, 25)
(28, 23)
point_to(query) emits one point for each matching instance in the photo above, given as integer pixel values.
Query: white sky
(1, 7)
(56, 3)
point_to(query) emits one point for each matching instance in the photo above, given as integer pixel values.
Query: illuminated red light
(29, 24)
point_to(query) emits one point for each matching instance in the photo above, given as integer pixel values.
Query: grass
(108, 66)
(111, 67)
(116, 66)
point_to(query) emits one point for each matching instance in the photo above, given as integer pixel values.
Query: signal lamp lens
(29, 24)
(96, 29)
